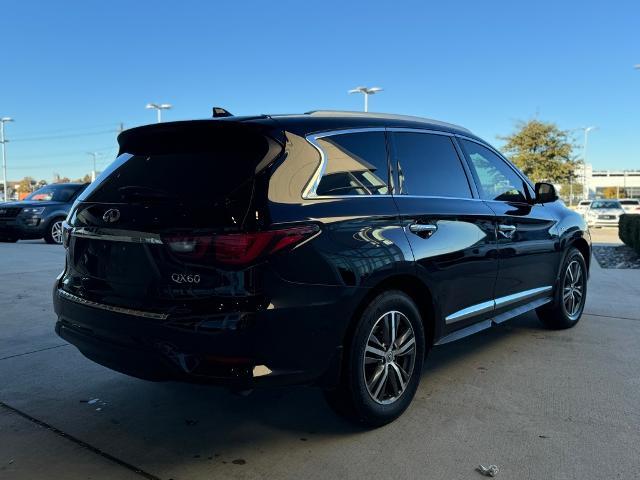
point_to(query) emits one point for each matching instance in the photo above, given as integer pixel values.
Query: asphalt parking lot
(539, 404)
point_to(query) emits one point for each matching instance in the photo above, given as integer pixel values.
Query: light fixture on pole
(158, 107)
(95, 155)
(3, 142)
(366, 91)
(585, 191)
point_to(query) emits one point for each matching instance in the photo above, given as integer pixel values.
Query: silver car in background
(604, 213)
(630, 205)
(583, 207)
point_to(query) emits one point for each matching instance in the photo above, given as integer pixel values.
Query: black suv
(40, 215)
(329, 248)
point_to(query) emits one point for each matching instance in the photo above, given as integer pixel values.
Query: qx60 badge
(185, 278)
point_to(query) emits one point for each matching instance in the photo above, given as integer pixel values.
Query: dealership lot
(537, 403)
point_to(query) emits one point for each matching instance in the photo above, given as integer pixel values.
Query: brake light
(237, 248)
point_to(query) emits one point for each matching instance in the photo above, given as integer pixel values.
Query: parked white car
(630, 205)
(604, 213)
(583, 206)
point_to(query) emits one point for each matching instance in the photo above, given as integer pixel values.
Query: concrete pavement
(538, 403)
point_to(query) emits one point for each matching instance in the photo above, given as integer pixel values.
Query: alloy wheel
(56, 232)
(389, 357)
(573, 289)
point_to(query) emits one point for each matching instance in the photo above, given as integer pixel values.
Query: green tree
(541, 150)
(567, 188)
(26, 184)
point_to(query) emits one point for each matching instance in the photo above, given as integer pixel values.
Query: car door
(527, 235)
(450, 230)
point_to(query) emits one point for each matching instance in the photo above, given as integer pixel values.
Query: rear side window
(428, 165)
(356, 164)
(498, 181)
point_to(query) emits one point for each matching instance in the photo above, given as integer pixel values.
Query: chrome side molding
(498, 319)
(491, 305)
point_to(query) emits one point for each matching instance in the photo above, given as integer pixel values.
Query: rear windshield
(630, 202)
(186, 168)
(605, 204)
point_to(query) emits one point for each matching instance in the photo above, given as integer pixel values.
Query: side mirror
(545, 193)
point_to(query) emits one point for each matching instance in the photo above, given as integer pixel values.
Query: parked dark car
(39, 215)
(328, 248)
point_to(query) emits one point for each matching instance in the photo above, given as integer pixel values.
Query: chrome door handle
(507, 231)
(423, 229)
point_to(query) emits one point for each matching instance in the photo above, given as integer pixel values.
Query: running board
(498, 319)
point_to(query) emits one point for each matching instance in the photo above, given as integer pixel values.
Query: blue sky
(72, 71)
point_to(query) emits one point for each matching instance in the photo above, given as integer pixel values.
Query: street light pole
(4, 120)
(585, 191)
(93, 172)
(158, 107)
(366, 92)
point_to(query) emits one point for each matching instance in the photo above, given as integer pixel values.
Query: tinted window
(56, 194)
(429, 165)
(498, 181)
(356, 164)
(629, 202)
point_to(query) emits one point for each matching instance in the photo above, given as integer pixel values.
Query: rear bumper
(296, 340)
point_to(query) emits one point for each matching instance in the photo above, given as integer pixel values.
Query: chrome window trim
(115, 235)
(111, 308)
(309, 193)
(492, 305)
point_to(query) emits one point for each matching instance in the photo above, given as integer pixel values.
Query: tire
(371, 393)
(572, 287)
(54, 232)
(8, 239)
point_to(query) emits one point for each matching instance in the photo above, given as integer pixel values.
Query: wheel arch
(415, 289)
(584, 248)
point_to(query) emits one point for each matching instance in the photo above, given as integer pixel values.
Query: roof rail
(390, 116)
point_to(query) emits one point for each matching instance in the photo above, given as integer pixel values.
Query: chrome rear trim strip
(113, 235)
(110, 308)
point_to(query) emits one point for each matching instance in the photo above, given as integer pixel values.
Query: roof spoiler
(221, 112)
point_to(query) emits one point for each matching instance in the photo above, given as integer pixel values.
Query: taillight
(237, 248)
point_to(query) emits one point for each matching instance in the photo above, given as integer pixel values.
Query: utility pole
(3, 141)
(585, 190)
(93, 172)
(366, 91)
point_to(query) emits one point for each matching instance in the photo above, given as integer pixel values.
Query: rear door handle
(507, 231)
(423, 229)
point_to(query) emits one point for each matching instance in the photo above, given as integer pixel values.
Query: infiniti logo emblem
(111, 216)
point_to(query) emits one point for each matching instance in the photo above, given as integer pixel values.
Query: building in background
(613, 183)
